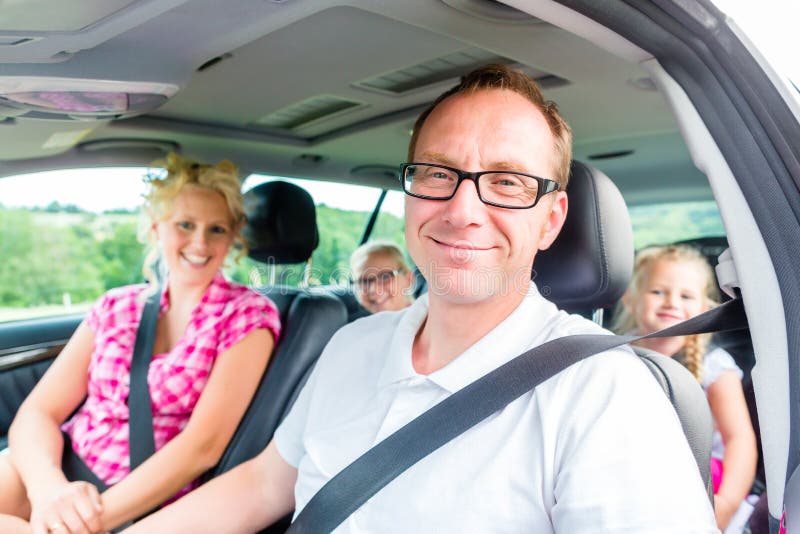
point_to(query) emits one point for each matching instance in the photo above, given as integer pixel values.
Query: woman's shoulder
(122, 294)
(239, 294)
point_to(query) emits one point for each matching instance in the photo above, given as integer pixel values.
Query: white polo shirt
(597, 448)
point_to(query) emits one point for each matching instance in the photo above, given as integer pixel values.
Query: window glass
(658, 224)
(342, 214)
(390, 224)
(66, 237)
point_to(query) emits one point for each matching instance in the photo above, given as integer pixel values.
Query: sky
(768, 23)
(98, 190)
(772, 26)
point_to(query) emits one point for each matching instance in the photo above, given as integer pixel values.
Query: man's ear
(555, 220)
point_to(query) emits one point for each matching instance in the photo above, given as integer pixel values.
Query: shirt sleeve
(622, 463)
(249, 312)
(716, 362)
(99, 310)
(289, 434)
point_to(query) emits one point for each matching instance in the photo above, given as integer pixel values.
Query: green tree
(122, 255)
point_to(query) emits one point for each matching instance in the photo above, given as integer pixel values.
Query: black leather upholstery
(690, 403)
(282, 223)
(344, 293)
(589, 265)
(309, 320)
(282, 226)
(15, 384)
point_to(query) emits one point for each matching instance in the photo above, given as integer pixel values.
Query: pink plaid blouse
(99, 430)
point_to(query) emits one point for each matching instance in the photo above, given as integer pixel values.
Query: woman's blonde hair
(164, 188)
(696, 345)
(362, 254)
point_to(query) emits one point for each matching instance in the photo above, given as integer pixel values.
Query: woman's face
(195, 237)
(382, 285)
(672, 291)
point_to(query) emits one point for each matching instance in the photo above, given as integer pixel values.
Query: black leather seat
(344, 293)
(588, 268)
(282, 228)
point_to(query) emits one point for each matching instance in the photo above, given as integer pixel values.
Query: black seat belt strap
(356, 483)
(140, 419)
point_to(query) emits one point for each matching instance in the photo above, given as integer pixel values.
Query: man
(597, 448)
(382, 279)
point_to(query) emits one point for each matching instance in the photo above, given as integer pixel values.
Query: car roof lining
(212, 117)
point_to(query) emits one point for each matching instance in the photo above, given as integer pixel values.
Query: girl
(671, 284)
(211, 334)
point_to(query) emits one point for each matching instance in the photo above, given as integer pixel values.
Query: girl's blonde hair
(625, 321)
(164, 188)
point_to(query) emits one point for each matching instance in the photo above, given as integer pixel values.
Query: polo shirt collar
(518, 332)
(397, 365)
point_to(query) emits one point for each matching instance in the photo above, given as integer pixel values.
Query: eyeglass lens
(502, 188)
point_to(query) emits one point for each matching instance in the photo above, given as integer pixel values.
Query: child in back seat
(671, 284)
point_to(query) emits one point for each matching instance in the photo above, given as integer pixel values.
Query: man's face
(469, 251)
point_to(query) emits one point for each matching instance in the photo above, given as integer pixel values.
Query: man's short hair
(498, 76)
(388, 248)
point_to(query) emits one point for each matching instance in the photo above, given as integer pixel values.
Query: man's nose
(465, 207)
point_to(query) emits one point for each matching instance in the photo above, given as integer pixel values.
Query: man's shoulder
(606, 369)
(376, 324)
(368, 336)
(562, 324)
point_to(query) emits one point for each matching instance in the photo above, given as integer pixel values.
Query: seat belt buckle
(727, 277)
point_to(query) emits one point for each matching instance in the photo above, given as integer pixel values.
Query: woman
(211, 334)
(382, 279)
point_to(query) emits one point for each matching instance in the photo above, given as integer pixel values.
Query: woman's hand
(70, 508)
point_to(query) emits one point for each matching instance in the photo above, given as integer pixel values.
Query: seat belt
(365, 476)
(141, 440)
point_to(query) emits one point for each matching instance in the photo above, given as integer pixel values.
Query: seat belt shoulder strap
(355, 484)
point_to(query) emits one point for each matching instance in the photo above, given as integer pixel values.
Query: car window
(657, 224)
(342, 214)
(66, 237)
(390, 224)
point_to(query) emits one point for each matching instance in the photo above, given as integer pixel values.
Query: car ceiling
(250, 72)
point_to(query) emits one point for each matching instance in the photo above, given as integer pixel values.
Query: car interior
(329, 91)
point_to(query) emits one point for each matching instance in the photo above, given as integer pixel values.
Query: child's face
(672, 292)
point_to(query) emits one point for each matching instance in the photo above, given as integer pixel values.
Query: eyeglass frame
(377, 279)
(546, 186)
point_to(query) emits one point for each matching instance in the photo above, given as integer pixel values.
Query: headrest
(281, 223)
(590, 263)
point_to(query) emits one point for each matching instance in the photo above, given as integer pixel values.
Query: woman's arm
(227, 394)
(245, 499)
(726, 398)
(36, 443)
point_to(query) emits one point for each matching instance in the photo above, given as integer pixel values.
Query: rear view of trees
(63, 256)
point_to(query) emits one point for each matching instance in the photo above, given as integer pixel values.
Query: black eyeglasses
(504, 189)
